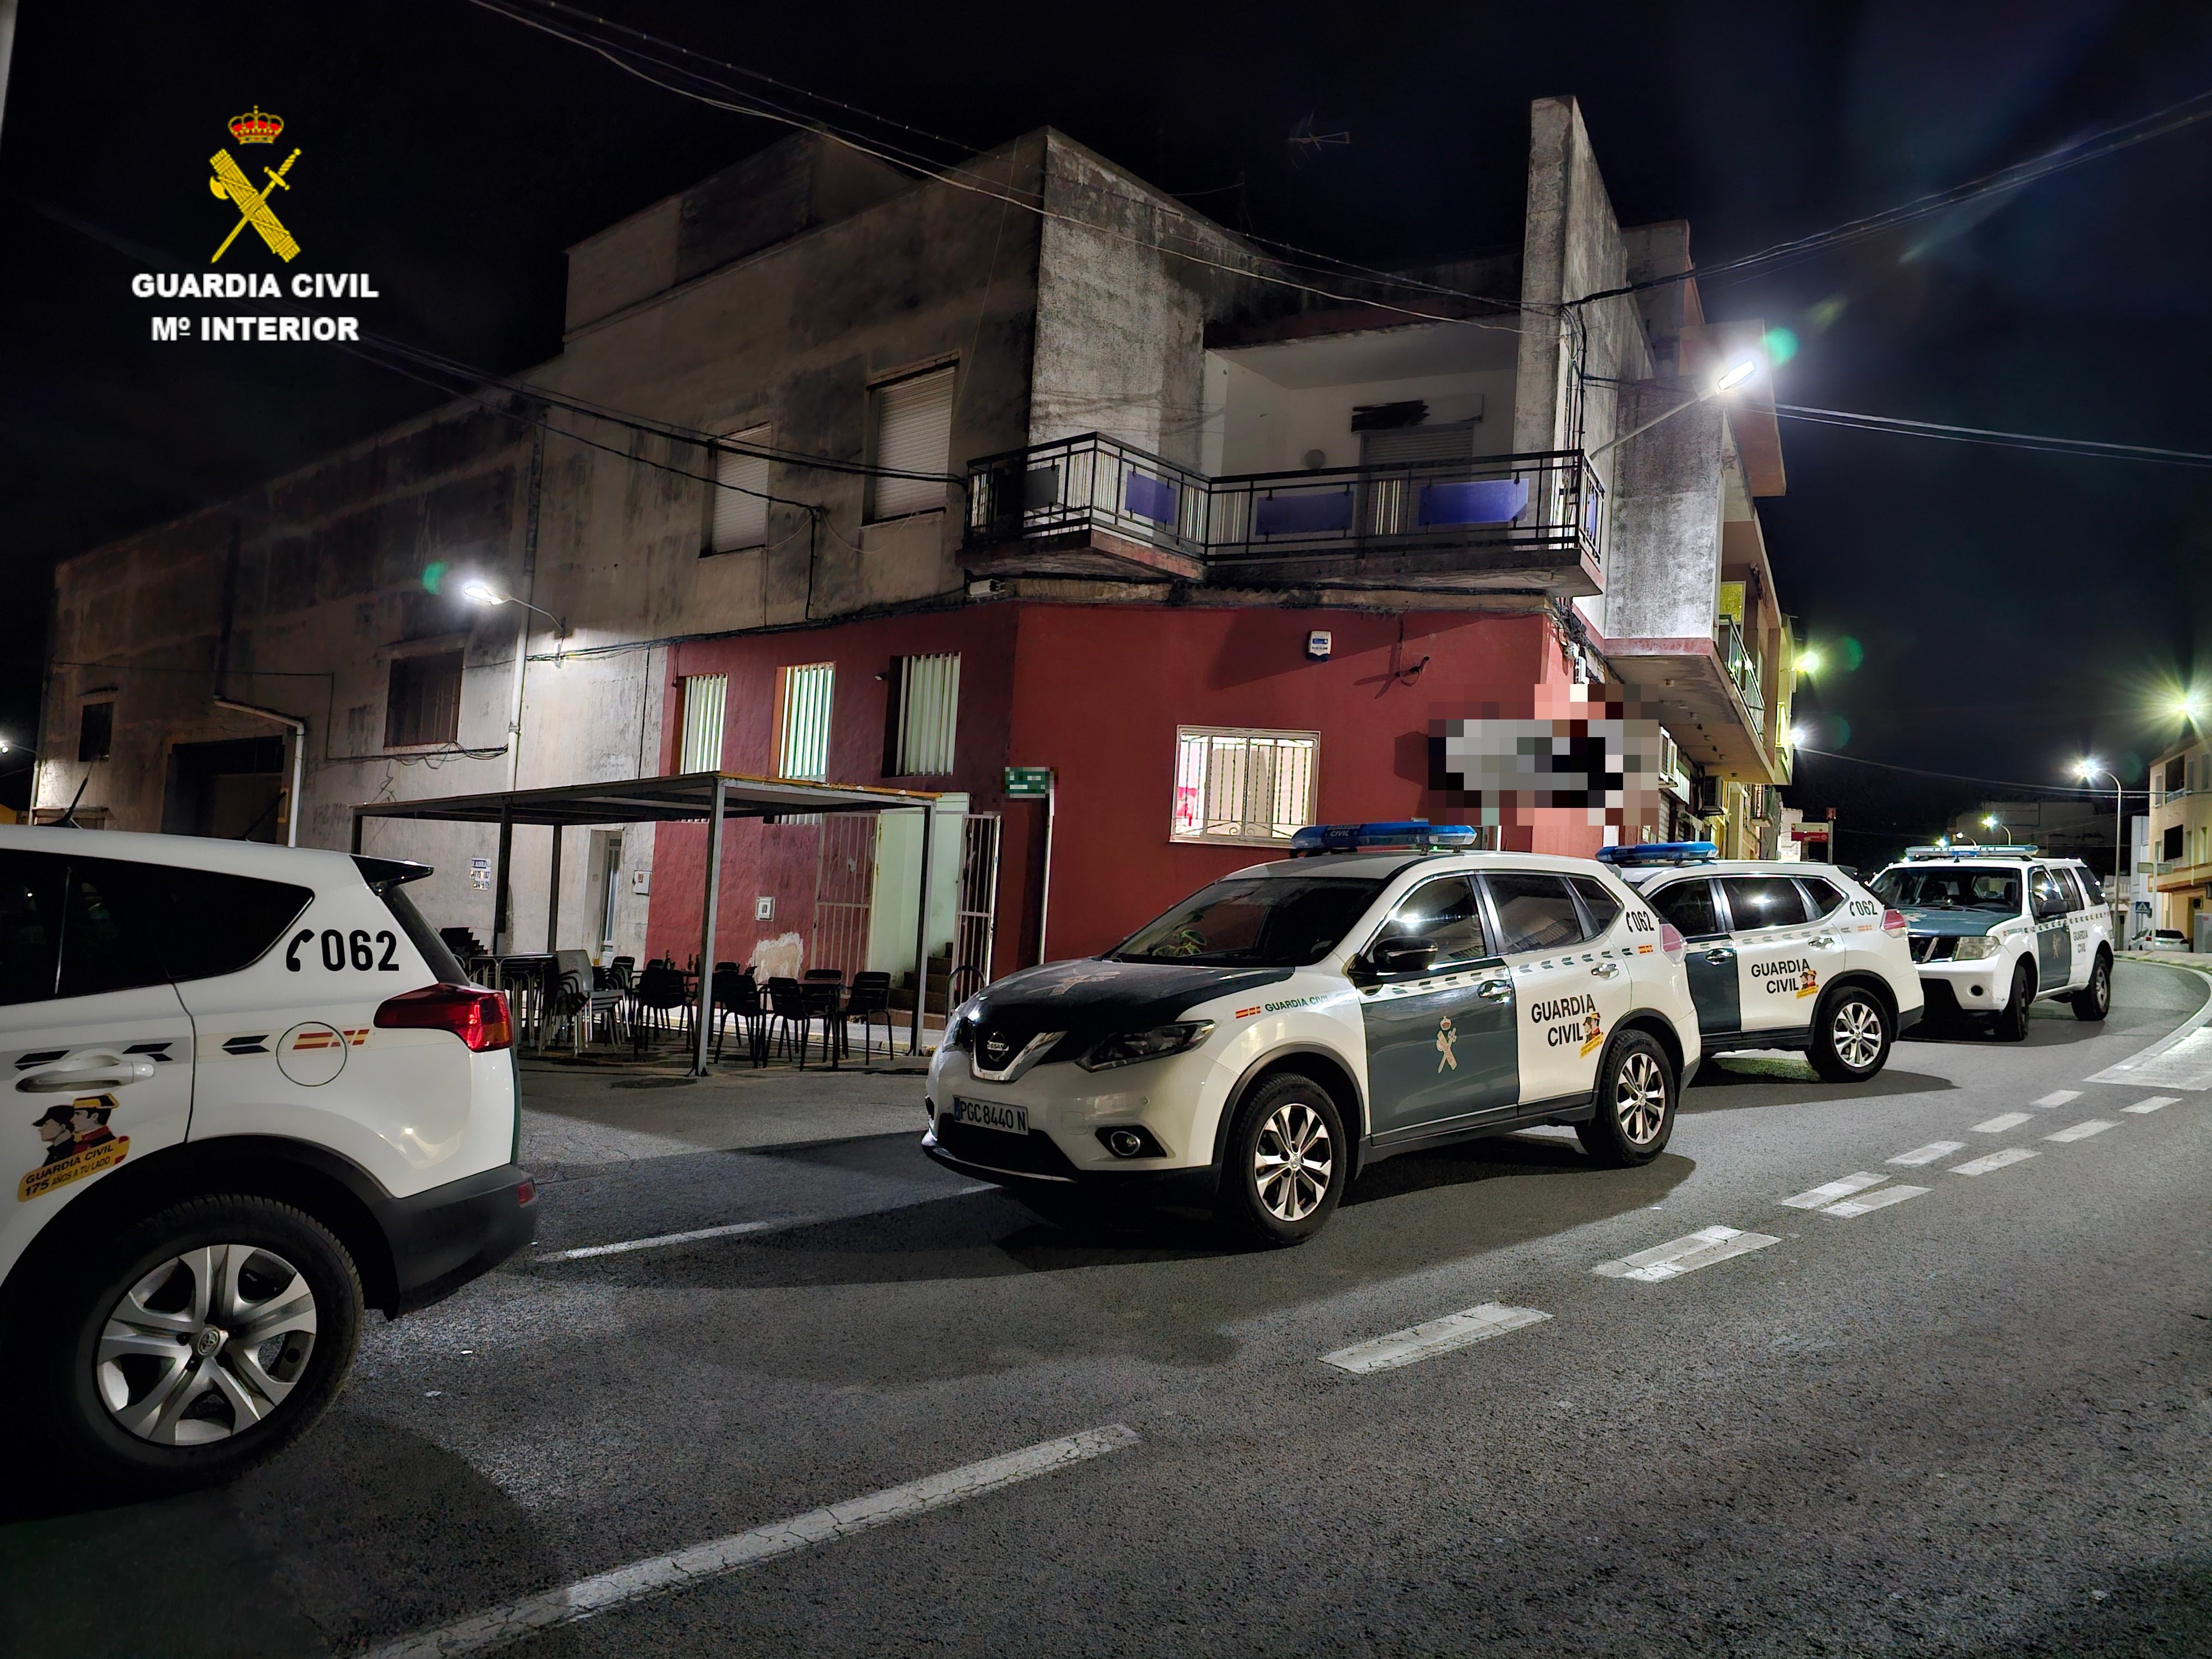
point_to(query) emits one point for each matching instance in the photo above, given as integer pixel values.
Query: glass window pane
(30, 925)
(1825, 895)
(1445, 913)
(1262, 921)
(1756, 901)
(1598, 899)
(1535, 912)
(111, 941)
(1689, 906)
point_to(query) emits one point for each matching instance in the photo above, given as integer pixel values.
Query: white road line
(2095, 1126)
(1820, 1196)
(1994, 1161)
(1684, 1255)
(1457, 1330)
(596, 1594)
(772, 1223)
(2059, 1097)
(2155, 1102)
(1851, 1206)
(1930, 1152)
(2181, 1058)
(1998, 1125)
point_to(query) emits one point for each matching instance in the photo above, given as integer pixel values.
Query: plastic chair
(823, 998)
(870, 995)
(786, 1011)
(738, 996)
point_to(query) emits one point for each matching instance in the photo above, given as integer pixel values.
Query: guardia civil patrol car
(1783, 956)
(248, 1092)
(1995, 928)
(1254, 1048)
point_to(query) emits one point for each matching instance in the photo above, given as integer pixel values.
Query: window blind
(913, 433)
(803, 721)
(741, 520)
(929, 712)
(704, 696)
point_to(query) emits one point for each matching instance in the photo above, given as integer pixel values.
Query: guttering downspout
(298, 755)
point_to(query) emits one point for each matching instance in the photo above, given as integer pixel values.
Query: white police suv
(1781, 956)
(248, 1092)
(1995, 928)
(1256, 1047)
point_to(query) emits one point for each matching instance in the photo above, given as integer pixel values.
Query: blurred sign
(480, 874)
(1028, 782)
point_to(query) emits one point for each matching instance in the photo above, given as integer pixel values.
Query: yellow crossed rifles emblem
(253, 204)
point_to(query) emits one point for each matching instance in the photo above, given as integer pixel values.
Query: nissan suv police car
(1781, 956)
(249, 1093)
(1995, 928)
(1254, 1048)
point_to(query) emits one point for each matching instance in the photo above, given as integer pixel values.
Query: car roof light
(1417, 833)
(2026, 850)
(1660, 852)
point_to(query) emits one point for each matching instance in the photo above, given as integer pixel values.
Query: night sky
(2009, 611)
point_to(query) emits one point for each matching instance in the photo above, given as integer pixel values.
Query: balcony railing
(1547, 507)
(1742, 666)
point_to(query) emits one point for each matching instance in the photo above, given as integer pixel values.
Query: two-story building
(2179, 852)
(844, 476)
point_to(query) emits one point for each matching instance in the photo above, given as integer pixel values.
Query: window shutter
(929, 714)
(803, 723)
(913, 433)
(704, 696)
(741, 520)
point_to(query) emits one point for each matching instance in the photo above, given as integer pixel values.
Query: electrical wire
(1898, 426)
(2077, 791)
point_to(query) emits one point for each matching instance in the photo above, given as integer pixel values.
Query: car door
(96, 1047)
(1774, 976)
(1709, 957)
(2048, 903)
(2081, 946)
(1834, 939)
(1568, 990)
(1440, 1044)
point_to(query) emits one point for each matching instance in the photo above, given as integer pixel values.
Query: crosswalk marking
(1994, 1161)
(1998, 1125)
(2059, 1097)
(2142, 1107)
(1682, 1255)
(1834, 1190)
(1930, 1152)
(1851, 1206)
(1438, 1336)
(2095, 1126)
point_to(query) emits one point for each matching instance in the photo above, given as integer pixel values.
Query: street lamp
(7, 748)
(1808, 662)
(1990, 821)
(2088, 770)
(478, 590)
(1734, 376)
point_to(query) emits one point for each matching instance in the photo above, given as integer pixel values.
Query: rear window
(187, 924)
(2091, 885)
(1756, 901)
(1535, 912)
(30, 927)
(1689, 906)
(1598, 900)
(1826, 895)
(421, 935)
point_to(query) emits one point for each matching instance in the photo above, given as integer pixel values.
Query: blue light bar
(2021, 850)
(1371, 837)
(1660, 852)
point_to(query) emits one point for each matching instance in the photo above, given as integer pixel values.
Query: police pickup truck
(1384, 990)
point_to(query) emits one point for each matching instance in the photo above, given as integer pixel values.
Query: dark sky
(2012, 609)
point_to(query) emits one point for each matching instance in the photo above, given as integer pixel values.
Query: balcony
(1708, 693)
(1096, 509)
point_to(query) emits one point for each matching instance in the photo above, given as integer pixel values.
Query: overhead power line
(2078, 790)
(1898, 426)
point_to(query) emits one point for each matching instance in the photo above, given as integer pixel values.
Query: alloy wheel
(1856, 1033)
(206, 1345)
(1292, 1161)
(1639, 1097)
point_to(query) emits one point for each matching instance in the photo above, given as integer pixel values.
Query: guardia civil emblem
(252, 201)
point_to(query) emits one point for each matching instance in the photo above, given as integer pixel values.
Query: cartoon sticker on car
(1593, 1030)
(79, 1143)
(1809, 982)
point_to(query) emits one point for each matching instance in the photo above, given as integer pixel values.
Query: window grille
(802, 720)
(913, 433)
(928, 714)
(704, 695)
(424, 705)
(741, 518)
(1242, 786)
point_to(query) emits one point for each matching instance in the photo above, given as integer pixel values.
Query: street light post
(2088, 771)
(1728, 382)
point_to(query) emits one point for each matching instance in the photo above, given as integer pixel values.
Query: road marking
(1994, 1161)
(1685, 1256)
(1438, 1336)
(2156, 1103)
(596, 1594)
(1998, 1125)
(1930, 1152)
(2059, 1097)
(772, 1223)
(2182, 1059)
(2095, 1126)
(1851, 1206)
(1835, 1190)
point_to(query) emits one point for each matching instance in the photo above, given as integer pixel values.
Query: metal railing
(1742, 667)
(1549, 502)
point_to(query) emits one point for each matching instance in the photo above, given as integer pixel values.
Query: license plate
(992, 1115)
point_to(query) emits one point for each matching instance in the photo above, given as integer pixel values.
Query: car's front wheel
(1637, 1091)
(197, 1344)
(2095, 1000)
(1286, 1162)
(1850, 1036)
(2012, 1018)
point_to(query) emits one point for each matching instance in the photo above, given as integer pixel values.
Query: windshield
(1949, 889)
(1267, 922)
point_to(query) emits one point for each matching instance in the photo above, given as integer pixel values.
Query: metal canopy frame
(715, 797)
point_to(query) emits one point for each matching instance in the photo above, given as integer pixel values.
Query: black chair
(871, 996)
(736, 996)
(786, 1014)
(659, 992)
(823, 997)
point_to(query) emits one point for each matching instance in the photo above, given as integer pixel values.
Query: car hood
(1953, 924)
(1095, 998)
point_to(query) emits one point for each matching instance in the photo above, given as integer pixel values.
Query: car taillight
(1893, 923)
(477, 1017)
(1670, 941)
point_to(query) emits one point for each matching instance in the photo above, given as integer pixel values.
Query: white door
(1569, 989)
(1775, 975)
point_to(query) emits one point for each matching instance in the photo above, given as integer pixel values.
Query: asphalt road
(1970, 1421)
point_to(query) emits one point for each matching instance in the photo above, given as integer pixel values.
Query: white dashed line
(1930, 1152)
(2059, 1097)
(1998, 1125)
(1834, 1189)
(2095, 1126)
(1851, 1206)
(517, 1619)
(772, 1223)
(1685, 1256)
(2155, 1102)
(1994, 1161)
(1452, 1331)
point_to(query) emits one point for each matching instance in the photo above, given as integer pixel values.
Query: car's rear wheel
(2095, 1000)
(198, 1343)
(1851, 1035)
(1286, 1165)
(1637, 1091)
(2012, 1018)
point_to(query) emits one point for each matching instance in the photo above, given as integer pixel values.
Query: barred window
(1242, 786)
(802, 720)
(927, 716)
(704, 699)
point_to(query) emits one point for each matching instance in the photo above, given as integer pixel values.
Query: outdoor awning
(712, 796)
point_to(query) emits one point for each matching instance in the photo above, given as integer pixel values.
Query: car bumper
(442, 1238)
(1970, 988)
(1040, 1175)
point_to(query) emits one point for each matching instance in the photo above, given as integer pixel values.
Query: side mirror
(1401, 955)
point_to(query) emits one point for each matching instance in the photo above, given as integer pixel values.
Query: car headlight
(960, 1030)
(1131, 1047)
(1974, 949)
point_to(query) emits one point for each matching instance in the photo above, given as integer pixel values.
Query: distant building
(2075, 828)
(2180, 841)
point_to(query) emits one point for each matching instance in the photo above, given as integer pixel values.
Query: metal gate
(844, 892)
(976, 924)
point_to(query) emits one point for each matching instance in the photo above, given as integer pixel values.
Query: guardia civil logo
(252, 201)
